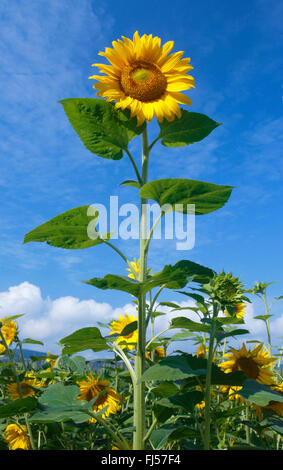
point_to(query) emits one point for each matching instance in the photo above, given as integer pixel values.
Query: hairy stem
(139, 391)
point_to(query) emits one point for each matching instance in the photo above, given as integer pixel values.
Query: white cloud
(50, 320)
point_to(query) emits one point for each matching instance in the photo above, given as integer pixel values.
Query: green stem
(135, 167)
(157, 336)
(207, 414)
(152, 305)
(124, 358)
(152, 230)
(267, 323)
(148, 434)
(120, 254)
(117, 438)
(139, 391)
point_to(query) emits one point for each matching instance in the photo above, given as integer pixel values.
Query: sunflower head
(16, 437)
(106, 396)
(29, 384)
(253, 363)
(237, 310)
(135, 265)
(9, 330)
(144, 77)
(156, 354)
(125, 341)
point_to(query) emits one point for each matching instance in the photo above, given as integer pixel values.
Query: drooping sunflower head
(254, 363)
(94, 387)
(226, 289)
(144, 78)
(125, 341)
(16, 437)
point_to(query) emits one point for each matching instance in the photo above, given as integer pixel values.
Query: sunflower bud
(226, 289)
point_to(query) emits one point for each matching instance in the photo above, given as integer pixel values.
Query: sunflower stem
(267, 322)
(207, 414)
(139, 391)
(135, 167)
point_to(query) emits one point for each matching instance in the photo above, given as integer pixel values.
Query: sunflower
(201, 352)
(204, 353)
(108, 397)
(144, 78)
(158, 353)
(254, 363)
(9, 331)
(232, 392)
(51, 360)
(239, 310)
(136, 267)
(129, 340)
(201, 405)
(16, 437)
(28, 384)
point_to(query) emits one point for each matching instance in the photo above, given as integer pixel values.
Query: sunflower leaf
(103, 129)
(18, 407)
(179, 194)
(83, 339)
(74, 229)
(60, 403)
(188, 129)
(258, 393)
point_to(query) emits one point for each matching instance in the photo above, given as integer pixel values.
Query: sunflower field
(218, 397)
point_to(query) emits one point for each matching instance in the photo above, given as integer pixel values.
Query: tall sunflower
(128, 341)
(16, 437)
(107, 397)
(254, 363)
(144, 78)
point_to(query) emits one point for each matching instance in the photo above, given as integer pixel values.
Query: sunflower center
(248, 366)
(143, 81)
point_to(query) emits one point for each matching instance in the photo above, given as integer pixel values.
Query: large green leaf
(171, 277)
(259, 394)
(60, 403)
(83, 339)
(188, 129)
(171, 368)
(179, 274)
(186, 366)
(103, 129)
(113, 281)
(187, 324)
(178, 193)
(18, 407)
(68, 230)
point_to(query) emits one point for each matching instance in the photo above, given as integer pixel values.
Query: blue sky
(46, 52)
